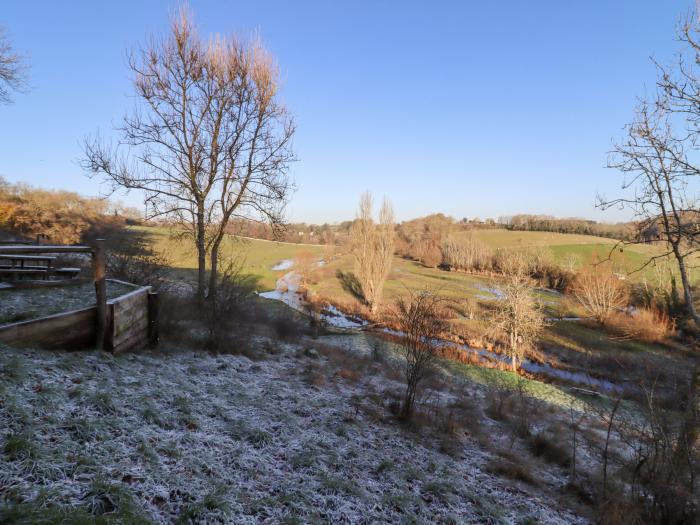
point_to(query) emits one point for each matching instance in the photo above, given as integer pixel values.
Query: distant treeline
(547, 223)
(59, 216)
(300, 232)
(418, 236)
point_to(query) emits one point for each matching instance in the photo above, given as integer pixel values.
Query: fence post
(98, 270)
(153, 319)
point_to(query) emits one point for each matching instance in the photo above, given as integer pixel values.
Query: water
(285, 264)
(286, 291)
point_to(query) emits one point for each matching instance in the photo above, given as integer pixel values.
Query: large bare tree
(373, 247)
(13, 70)
(664, 187)
(208, 142)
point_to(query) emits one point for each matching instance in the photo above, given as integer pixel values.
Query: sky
(472, 109)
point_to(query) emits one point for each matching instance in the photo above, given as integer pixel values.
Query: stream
(356, 332)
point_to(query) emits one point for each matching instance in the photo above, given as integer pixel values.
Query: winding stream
(356, 332)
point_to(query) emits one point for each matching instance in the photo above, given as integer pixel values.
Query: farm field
(579, 249)
(258, 257)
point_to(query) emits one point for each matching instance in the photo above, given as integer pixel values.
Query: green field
(579, 249)
(500, 238)
(259, 256)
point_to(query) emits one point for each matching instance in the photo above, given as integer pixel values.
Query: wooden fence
(131, 323)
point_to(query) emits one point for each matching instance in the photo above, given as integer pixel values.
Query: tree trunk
(690, 430)
(214, 267)
(201, 254)
(687, 291)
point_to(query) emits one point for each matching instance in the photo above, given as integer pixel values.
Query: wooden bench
(21, 259)
(19, 272)
(66, 272)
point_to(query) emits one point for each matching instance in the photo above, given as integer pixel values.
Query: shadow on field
(350, 284)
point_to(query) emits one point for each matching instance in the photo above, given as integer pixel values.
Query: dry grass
(646, 325)
(513, 468)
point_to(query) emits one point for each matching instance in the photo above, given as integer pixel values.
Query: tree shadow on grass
(351, 284)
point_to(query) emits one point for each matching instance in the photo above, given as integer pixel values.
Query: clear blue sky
(466, 108)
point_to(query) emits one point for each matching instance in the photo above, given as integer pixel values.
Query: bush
(517, 469)
(600, 291)
(642, 324)
(431, 256)
(545, 446)
(469, 254)
(61, 217)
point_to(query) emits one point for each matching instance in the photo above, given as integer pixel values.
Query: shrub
(544, 445)
(643, 324)
(467, 254)
(418, 317)
(431, 256)
(518, 470)
(600, 291)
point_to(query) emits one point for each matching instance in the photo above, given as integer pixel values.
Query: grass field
(580, 249)
(259, 256)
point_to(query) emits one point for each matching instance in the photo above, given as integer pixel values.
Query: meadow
(258, 257)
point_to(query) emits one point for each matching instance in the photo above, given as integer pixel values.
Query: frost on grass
(196, 438)
(23, 304)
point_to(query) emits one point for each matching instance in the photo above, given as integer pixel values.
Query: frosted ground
(197, 438)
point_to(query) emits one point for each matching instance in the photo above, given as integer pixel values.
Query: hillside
(258, 258)
(287, 438)
(581, 249)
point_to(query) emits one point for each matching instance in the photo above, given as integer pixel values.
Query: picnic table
(17, 266)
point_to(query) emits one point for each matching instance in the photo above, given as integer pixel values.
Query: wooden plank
(70, 330)
(129, 323)
(24, 267)
(46, 248)
(141, 326)
(23, 271)
(122, 299)
(135, 342)
(9, 257)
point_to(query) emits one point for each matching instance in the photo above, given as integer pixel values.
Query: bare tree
(600, 291)
(373, 248)
(305, 265)
(663, 200)
(418, 317)
(208, 142)
(518, 318)
(13, 70)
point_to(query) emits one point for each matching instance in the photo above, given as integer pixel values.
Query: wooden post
(98, 271)
(153, 319)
